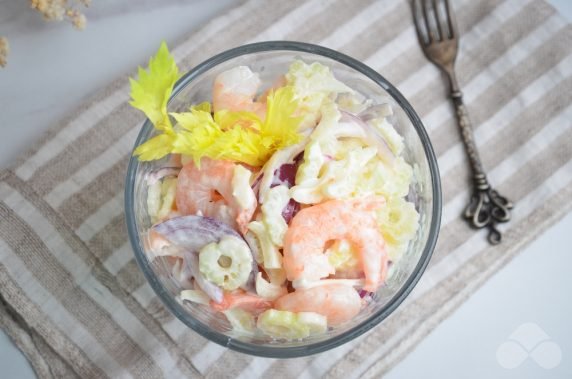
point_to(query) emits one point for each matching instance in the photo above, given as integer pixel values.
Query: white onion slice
(154, 176)
(371, 135)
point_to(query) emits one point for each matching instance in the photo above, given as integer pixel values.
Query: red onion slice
(182, 274)
(281, 169)
(192, 264)
(364, 293)
(285, 175)
(290, 210)
(250, 285)
(255, 185)
(193, 232)
(279, 158)
(190, 234)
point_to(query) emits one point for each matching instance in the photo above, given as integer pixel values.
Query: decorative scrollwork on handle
(486, 208)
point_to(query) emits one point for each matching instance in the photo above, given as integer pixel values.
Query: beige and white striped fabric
(72, 297)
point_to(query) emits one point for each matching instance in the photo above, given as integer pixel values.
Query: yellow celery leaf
(228, 119)
(153, 88)
(195, 119)
(281, 124)
(198, 135)
(207, 139)
(235, 146)
(205, 106)
(155, 148)
(238, 136)
(241, 145)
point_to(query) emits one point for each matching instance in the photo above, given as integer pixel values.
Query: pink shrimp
(208, 190)
(280, 82)
(158, 246)
(352, 220)
(235, 89)
(338, 302)
(243, 300)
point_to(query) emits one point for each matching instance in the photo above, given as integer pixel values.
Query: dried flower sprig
(57, 10)
(52, 10)
(4, 50)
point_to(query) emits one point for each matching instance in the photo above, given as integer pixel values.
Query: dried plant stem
(52, 10)
(4, 50)
(57, 10)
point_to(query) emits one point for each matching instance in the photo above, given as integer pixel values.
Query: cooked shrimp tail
(352, 220)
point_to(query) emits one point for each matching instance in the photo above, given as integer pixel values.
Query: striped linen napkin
(73, 299)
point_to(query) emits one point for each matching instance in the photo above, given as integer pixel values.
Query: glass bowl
(270, 59)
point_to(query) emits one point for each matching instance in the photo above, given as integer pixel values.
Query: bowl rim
(316, 347)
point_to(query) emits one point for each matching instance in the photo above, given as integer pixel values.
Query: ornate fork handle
(486, 208)
(439, 38)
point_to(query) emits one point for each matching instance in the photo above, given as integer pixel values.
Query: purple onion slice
(285, 175)
(192, 263)
(290, 210)
(190, 234)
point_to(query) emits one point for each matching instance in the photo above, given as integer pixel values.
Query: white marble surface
(53, 68)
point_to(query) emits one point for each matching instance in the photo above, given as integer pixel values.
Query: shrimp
(208, 191)
(235, 89)
(281, 81)
(338, 302)
(157, 246)
(313, 227)
(242, 300)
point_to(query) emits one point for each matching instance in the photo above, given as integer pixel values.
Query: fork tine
(451, 23)
(427, 24)
(418, 27)
(438, 20)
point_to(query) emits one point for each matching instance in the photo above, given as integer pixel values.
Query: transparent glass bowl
(271, 59)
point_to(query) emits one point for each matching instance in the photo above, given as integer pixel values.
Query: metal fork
(439, 38)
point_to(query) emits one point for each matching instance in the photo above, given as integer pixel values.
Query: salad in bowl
(282, 198)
